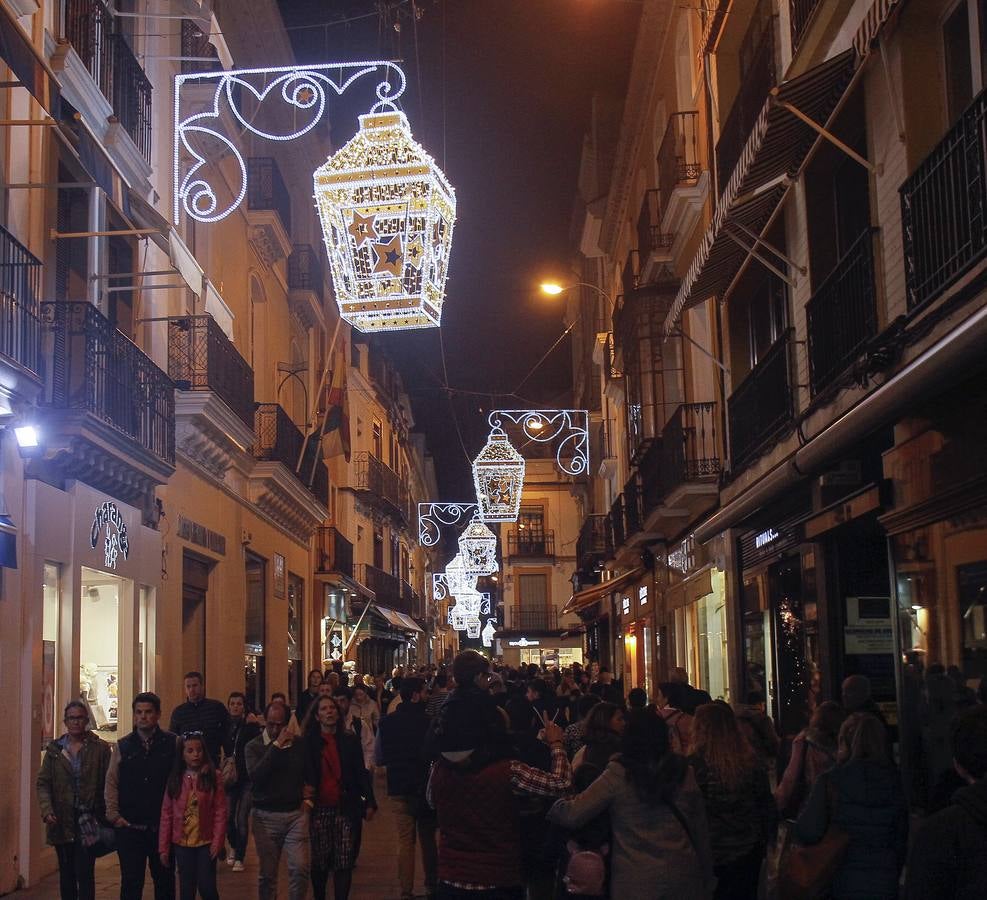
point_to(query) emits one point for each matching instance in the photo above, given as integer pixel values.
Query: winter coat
(55, 789)
(356, 785)
(947, 861)
(866, 801)
(652, 856)
(812, 754)
(740, 817)
(368, 712)
(212, 816)
(400, 740)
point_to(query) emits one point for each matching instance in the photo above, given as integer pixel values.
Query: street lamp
(553, 289)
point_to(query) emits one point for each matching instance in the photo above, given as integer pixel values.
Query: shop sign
(683, 557)
(763, 538)
(109, 524)
(765, 543)
(868, 627)
(195, 533)
(523, 642)
(642, 595)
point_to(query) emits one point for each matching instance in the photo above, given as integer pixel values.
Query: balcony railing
(944, 208)
(92, 366)
(800, 13)
(89, 27)
(678, 155)
(524, 618)
(842, 315)
(333, 553)
(649, 234)
(763, 404)
(20, 285)
(385, 586)
(278, 439)
(381, 481)
(626, 513)
(747, 105)
(690, 450)
(266, 189)
(531, 542)
(595, 543)
(202, 358)
(304, 269)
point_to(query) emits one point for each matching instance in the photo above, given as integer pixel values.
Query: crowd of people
(511, 783)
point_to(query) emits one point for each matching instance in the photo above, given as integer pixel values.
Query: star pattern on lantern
(390, 256)
(415, 252)
(363, 228)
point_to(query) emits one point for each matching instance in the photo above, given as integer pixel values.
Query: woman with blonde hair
(739, 805)
(864, 798)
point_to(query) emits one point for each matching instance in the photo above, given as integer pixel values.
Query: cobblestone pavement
(375, 877)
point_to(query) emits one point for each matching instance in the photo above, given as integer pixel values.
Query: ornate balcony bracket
(303, 90)
(433, 516)
(568, 427)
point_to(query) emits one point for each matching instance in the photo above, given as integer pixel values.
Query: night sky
(499, 93)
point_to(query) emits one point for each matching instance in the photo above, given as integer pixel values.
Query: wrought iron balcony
(842, 315)
(333, 553)
(382, 483)
(94, 368)
(304, 269)
(800, 14)
(747, 105)
(525, 618)
(650, 238)
(763, 404)
(202, 358)
(385, 586)
(678, 155)
(278, 439)
(20, 285)
(266, 189)
(595, 544)
(690, 449)
(531, 542)
(943, 214)
(626, 514)
(89, 27)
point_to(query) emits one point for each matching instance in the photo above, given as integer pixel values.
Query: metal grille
(382, 482)
(524, 618)
(842, 315)
(595, 543)
(944, 208)
(800, 13)
(385, 586)
(98, 369)
(266, 188)
(531, 542)
(278, 439)
(20, 284)
(202, 358)
(333, 552)
(649, 234)
(678, 155)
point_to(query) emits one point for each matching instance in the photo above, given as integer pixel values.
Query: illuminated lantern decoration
(498, 476)
(488, 632)
(473, 626)
(387, 216)
(457, 580)
(478, 549)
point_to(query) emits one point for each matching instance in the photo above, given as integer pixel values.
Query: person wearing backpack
(658, 825)
(671, 701)
(813, 752)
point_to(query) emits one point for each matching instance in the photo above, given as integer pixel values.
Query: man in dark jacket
(399, 743)
(199, 713)
(282, 783)
(947, 858)
(135, 786)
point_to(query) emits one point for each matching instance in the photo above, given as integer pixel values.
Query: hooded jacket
(948, 858)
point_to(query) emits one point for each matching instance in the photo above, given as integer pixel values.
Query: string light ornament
(387, 214)
(458, 581)
(498, 476)
(478, 549)
(473, 626)
(489, 630)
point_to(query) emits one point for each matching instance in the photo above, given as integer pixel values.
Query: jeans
(76, 877)
(238, 803)
(274, 831)
(196, 871)
(414, 818)
(137, 850)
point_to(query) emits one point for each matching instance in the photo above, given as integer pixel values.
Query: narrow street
(375, 875)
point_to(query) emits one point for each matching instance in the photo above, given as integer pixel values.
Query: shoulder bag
(807, 872)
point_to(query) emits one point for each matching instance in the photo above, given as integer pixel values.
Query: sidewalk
(375, 876)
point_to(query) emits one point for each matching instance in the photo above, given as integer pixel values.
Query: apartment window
(120, 261)
(378, 438)
(532, 591)
(71, 267)
(758, 317)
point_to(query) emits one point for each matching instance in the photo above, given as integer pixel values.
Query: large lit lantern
(498, 476)
(478, 549)
(387, 216)
(457, 580)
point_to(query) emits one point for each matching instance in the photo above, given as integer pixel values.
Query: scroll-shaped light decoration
(498, 476)
(489, 630)
(387, 216)
(478, 549)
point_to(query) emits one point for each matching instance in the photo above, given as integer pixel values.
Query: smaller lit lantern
(478, 549)
(498, 476)
(387, 215)
(458, 581)
(473, 628)
(489, 631)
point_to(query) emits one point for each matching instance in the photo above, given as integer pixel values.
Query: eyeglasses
(77, 718)
(191, 734)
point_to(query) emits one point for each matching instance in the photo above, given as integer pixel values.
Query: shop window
(51, 698)
(296, 673)
(255, 686)
(99, 649)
